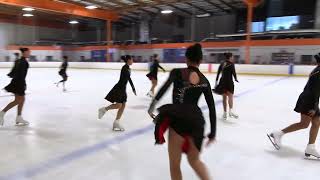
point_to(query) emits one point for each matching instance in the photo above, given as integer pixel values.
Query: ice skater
(184, 118)
(308, 106)
(17, 86)
(63, 73)
(118, 94)
(153, 74)
(225, 87)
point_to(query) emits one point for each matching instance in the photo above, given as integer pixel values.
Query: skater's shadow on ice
(285, 152)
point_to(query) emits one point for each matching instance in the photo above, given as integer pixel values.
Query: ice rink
(65, 141)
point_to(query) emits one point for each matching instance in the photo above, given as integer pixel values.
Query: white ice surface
(65, 141)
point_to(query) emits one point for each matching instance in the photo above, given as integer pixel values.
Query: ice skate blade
(234, 117)
(118, 130)
(311, 157)
(22, 124)
(272, 142)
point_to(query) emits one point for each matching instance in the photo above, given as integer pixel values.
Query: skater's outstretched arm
(234, 73)
(161, 67)
(315, 78)
(132, 86)
(162, 90)
(219, 71)
(212, 111)
(166, 85)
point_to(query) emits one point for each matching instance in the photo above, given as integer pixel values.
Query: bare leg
(174, 149)
(120, 111)
(21, 100)
(230, 100)
(303, 124)
(154, 85)
(11, 105)
(195, 162)
(314, 130)
(114, 106)
(224, 100)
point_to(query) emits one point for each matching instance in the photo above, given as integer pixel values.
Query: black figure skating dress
(63, 70)
(309, 98)
(226, 83)
(18, 74)
(118, 93)
(153, 75)
(184, 115)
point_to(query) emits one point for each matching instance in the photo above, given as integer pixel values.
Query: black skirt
(117, 95)
(224, 86)
(152, 76)
(186, 120)
(306, 103)
(63, 73)
(16, 87)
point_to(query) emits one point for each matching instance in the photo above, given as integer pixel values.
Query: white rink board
(241, 68)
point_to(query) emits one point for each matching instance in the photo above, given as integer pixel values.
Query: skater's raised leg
(12, 104)
(103, 110)
(303, 124)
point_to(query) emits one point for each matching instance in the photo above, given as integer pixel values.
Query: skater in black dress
(63, 72)
(225, 86)
(17, 86)
(118, 94)
(184, 118)
(308, 107)
(153, 74)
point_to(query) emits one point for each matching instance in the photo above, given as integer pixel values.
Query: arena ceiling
(134, 10)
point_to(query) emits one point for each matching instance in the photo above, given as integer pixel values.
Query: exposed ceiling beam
(118, 2)
(128, 16)
(180, 9)
(197, 7)
(100, 4)
(149, 12)
(151, 5)
(217, 6)
(227, 4)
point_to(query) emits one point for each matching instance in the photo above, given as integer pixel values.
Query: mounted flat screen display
(282, 23)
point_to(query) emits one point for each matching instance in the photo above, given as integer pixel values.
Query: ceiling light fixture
(203, 15)
(27, 15)
(168, 11)
(28, 9)
(91, 7)
(73, 22)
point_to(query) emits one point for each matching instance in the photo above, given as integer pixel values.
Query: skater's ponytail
(24, 50)
(194, 53)
(125, 58)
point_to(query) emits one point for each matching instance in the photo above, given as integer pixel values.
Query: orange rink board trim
(291, 42)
